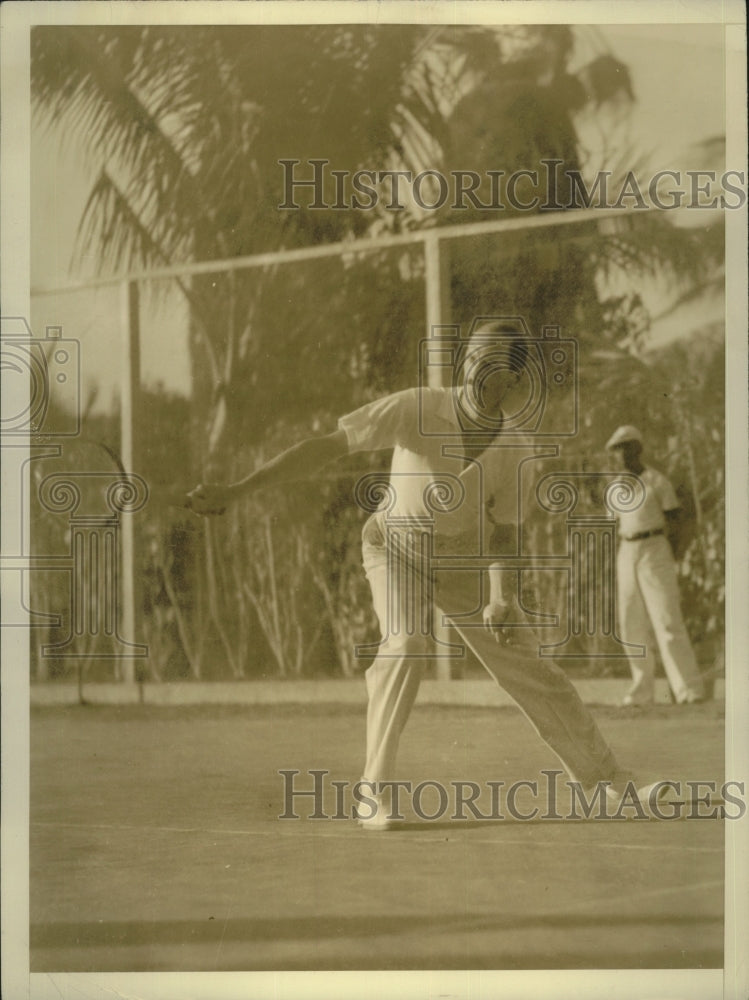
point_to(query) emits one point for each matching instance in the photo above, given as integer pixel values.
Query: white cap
(625, 433)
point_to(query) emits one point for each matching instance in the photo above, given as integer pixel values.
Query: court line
(412, 837)
(649, 893)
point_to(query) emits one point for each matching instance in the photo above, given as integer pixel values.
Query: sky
(677, 74)
(678, 80)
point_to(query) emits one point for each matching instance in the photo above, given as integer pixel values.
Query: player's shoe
(614, 794)
(380, 822)
(661, 793)
(379, 818)
(652, 797)
(625, 790)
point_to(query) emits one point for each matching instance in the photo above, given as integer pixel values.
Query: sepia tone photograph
(374, 500)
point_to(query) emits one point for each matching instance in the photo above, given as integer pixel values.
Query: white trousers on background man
(538, 686)
(650, 615)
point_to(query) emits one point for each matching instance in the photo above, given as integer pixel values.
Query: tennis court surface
(156, 845)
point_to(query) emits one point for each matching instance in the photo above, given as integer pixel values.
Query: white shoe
(614, 793)
(652, 797)
(660, 793)
(692, 698)
(630, 699)
(380, 822)
(379, 819)
(656, 793)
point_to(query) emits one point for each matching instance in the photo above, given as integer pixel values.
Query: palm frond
(82, 82)
(649, 242)
(111, 231)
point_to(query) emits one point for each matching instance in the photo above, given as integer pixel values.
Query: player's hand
(497, 615)
(210, 499)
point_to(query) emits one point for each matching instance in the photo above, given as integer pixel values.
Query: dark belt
(642, 534)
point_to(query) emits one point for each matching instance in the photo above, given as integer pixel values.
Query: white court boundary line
(415, 837)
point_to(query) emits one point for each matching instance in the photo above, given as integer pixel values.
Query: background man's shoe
(631, 699)
(692, 698)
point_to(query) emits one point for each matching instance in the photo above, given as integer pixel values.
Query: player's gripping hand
(210, 499)
(497, 616)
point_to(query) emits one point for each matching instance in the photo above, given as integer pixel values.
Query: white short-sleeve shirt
(649, 516)
(488, 482)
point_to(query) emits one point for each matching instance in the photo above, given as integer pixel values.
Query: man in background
(647, 586)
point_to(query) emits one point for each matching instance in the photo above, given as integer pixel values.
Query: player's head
(495, 358)
(625, 444)
(507, 333)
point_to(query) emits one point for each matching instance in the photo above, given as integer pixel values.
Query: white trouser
(538, 686)
(650, 613)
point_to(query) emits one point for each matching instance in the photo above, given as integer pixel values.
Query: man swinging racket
(495, 629)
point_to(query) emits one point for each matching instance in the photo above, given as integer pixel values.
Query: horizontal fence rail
(346, 247)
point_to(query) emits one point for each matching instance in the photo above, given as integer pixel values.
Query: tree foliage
(186, 127)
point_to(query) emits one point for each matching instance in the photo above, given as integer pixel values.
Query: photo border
(733, 981)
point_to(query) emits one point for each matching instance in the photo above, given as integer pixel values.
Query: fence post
(130, 388)
(437, 289)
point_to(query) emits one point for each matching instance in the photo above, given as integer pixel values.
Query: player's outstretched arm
(302, 461)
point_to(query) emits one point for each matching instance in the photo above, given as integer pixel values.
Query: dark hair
(514, 337)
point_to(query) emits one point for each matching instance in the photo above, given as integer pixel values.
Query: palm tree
(188, 125)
